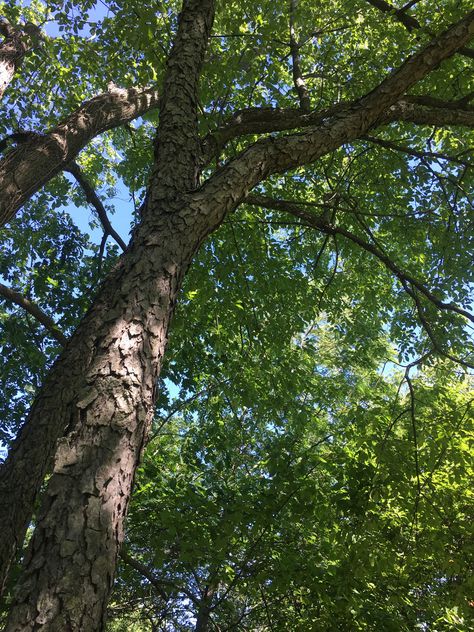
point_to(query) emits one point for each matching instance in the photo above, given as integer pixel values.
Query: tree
(277, 110)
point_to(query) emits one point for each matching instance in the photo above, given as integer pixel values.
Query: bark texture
(99, 396)
(103, 389)
(25, 169)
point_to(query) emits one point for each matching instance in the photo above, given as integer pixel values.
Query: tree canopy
(291, 184)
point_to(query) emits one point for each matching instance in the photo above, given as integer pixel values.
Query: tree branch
(146, 573)
(410, 110)
(177, 133)
(17, 41)
(422, 110)
(35, 311)
(300, 85)
(27, 167)
(91, 196)
(427, 328)
(262, 121)
(155, 581)
(417, 153)
(320, 223)
(276, 155)
(408, 21)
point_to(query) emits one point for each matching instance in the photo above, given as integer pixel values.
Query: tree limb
(91, 196)
(320, 223)
(145, 572)
(27, 167)
(233, 182)
(417, 153)
(408, 21)
(411, 109)
(300, 85)
(427, 328)
(411, 112)
(177, 133)
(155, 581)
(17, 41)
(35, 311)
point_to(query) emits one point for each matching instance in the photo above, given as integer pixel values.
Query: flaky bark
(101, 392)
(103, 389)
(267, 120)
(25, 169)
(99, 396)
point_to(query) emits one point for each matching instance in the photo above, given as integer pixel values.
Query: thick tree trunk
(100, 394)
(107, 403)
(103, 389)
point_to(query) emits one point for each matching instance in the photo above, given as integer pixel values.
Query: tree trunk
(100, 393)
(204, 612)
(107, 405)
(99, 396)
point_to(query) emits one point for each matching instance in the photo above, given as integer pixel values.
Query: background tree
(349, 248)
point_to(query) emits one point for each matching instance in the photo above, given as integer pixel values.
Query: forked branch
(91, 196)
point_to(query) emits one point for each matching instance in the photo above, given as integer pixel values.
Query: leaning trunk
(99, 397)
(105, 406)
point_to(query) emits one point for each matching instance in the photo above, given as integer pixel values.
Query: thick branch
(412, 109)
(26, 168)
(320, 223)
(262, 121)
(92, 197)
(34, 310)
(277, 155)
(408, 21)
(177, 140)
